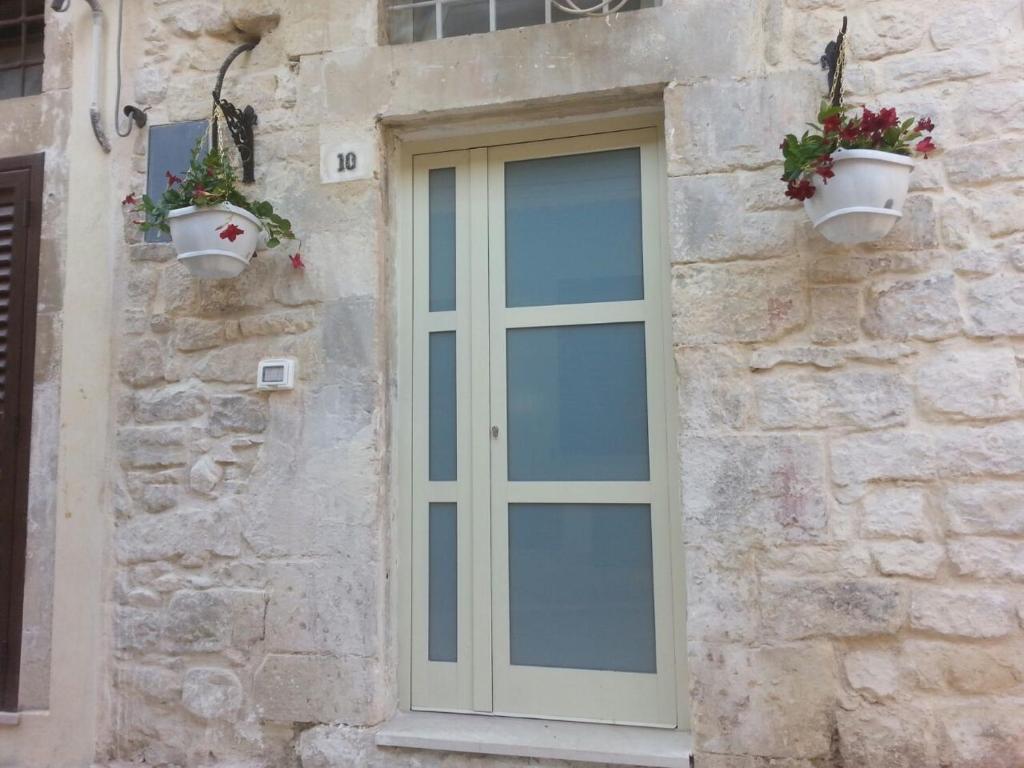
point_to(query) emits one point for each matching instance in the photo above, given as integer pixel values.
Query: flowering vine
(844, 127)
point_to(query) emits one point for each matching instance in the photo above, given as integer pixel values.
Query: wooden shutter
(20, 203)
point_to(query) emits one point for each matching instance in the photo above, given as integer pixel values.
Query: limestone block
(976, 384)
(990, 559)
(974, 263)
(991, 109)
(714, 390)
(991, 507)
(964, 25)
(907, 558)
(995, 208)
(941, 67)
(859, 399)
(317, 689)
(213, 620)
(179, 533)
(205, 475)
(896, 28)
(278, 323)
(324, 605)
(872, 673)
(801, 608)
(894, 737)
(723, 125)
(152, 446)
(917, 229)
(896, 512)
(995, 306)
(141, 363)
(975, 451)
(985, 162)
(775, 700)
(237, 413)
(191, 334)
(175, 403)
(977, 736)
(766, 358)
(920, 309)
(747, 489)
(737, 302)
(721, 599)
(152, 682)
(255, 17)
(136, 629)
(970, 669)
(835, 314)
(840, 267)
(890, 455)
(709, 222)
(211, 693)
(979, 613)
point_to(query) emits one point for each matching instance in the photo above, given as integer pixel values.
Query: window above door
(413, 21)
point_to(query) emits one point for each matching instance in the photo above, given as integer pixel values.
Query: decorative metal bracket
(240, 122)
(832, 60)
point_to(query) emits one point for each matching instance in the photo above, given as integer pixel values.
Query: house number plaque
(347, 162)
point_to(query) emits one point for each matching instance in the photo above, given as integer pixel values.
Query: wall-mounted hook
(240, 121)
(832, 60)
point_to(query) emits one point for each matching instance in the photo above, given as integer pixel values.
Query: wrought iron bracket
(832, 62)
(240, 122)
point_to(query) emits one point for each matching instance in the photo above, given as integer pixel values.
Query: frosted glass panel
(577, 403)
(443, 597)
(581, 591)
(573, 229)
(442, 416)
(442, 239)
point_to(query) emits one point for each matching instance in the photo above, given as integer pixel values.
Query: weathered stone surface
(897, 29)
(995, 306)
(820, 357)
(317, 689)
(916, 309)
(990, 559)
(713, 388)
(974, 736)
(257, 17)
(896, 737)
(896, 512)
(991, 507)
(776, 700)
(152, 446)
(743, 489)
(142, 363)
(237, 413)
(722, 598)
(985, 162)
(737, 302)
(965, 668)
(835, 314)
(858, 399)
(191, 334)
(917, 229)
(278, 323)
(907, 558)
(205, 475)
(945, 66)
(176, 403)
(991, 110)
(180, 533)
(890, 455)
(975, 451)
(211, 693)
(976, 383)
(801, 608)
(872, 673)
(136, 629)
(979, 613)
(213, 620)
(970, 25)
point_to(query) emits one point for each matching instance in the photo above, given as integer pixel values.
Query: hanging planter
(215, 229)
(852, 171)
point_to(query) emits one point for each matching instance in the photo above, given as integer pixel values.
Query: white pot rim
(871, 154)
(857, 209)
(228, 207)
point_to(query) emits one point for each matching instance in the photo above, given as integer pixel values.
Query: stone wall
(851, 432)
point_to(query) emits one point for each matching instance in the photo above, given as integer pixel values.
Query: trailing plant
(210, 180)
(841, 127)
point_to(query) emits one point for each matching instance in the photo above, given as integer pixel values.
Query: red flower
(230, 232)
(200, 191)
(925, 124)
(800, 190)
(888, 118)
(130, 199)
(868, 121)
(824, 168)
(297, 262)
(831, 124)
(850, 132)
(172, 179)
(924, 146)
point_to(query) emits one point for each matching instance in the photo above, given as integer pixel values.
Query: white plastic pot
(864, 199)
(196, 234)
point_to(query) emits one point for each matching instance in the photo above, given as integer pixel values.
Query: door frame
(26, 330)
(405, 152)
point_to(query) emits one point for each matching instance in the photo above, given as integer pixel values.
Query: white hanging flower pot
(217, 241)
(864, 199)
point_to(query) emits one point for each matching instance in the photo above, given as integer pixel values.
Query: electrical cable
(117, 96)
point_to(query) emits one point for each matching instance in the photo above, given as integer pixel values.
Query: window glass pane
(581, 591)
(10, 83)
(10, 9)
(577, 403)
(34, 41)
(443, 592)
(442, 416)
(519, 13)
(10, 44)
(411, 25)
(34, 7)
(33, 79)
(464, 17)
(442, 239)
(170, 149)
(573, 229)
